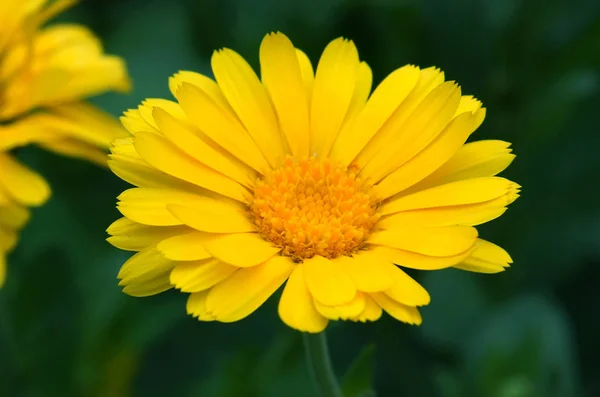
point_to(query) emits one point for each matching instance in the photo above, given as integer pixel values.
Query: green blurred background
(67, 330)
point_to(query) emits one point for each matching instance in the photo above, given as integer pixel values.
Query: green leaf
(358, 380)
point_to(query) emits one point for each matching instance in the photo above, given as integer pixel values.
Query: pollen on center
(313, 207)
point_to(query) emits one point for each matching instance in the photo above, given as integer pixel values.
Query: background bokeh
(532, 331)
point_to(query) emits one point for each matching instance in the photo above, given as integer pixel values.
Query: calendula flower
(307, 179)
(45, 72)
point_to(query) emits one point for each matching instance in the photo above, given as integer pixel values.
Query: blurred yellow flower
(48, 70)
(244, 184)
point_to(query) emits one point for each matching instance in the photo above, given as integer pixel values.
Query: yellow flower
(48, 70)
(244, 184)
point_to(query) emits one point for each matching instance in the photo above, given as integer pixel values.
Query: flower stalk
(319, 365)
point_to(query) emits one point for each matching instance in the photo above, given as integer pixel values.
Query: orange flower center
(314, 207)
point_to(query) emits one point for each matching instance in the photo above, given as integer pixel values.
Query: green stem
(319, 365)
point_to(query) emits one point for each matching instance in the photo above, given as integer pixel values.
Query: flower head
(48, 70)
(307, 179)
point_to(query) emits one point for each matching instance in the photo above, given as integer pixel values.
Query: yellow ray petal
(282, 76)
(196, 306)
(211, 155)
(469, 191)
(429, 79)
(468, 214)
(24, 185)
(146, 267)
(133, 122)
(333, 90)
(406, 314)
(385, 100)
(76, 149)
(248, 98)
(132, 236)
(426, 122)
(156, 285)
(473, 160)
(486, 258)
(406, 290)
(220, 126)
(308, 74)
(2, 268)
(206, 84)
(429, 159)
(213, 216)
(343, 312)
(328, 282)
(165, 156)
(296, 306)
(364, 81)
(149, 206)
(200, 275)
(369, 270)
(371, 312)
(8, 239)
(415, 260)
(135, 170)
(184, 247)
(240, 249)
(437, 241)
(247, 289)
(13, 216)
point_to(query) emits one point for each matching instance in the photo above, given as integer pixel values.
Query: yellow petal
(473, 160)
(24, 185)
(385, 100)
(146, 273)
(486, 258)
(468, 103)
(426, 122)
(149, 206)
(431, 158)
(308, 74)
(149, 287)
(343, 312)
(8, 239)
(469, 191)
(132, 236)
(74, 148)
(406, 290)
(138, 172)
(333, 90)
(184, 247)
(437, 241)
(13, 216)
(429, 79)
(371, 312)
(147, 111)
(196, 306)
(213, 216)
(406, 314)
(328, 282)
(201, 150)
(133, 122)
(370, 271)
(415, 260)
(220, 126)
(282, 76)
(468, 215)
(247, 289)
(2, 269)
(206, 84)
(296, 306)
(240, 249)
(165, 156)
(200, 275)
(248, 98)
